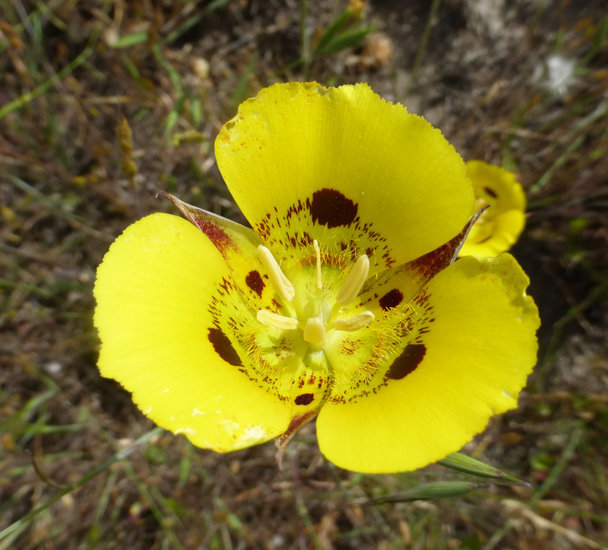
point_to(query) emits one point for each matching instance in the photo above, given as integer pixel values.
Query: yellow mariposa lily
(503, 219)
(343, 302)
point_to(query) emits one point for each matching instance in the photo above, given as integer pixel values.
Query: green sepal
(429, 491)
(473, 466)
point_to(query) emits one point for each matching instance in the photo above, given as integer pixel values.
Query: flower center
(316, 314)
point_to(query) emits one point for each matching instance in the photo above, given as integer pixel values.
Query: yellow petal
(503, 221)
(164, 336)
(344, 167)
(466, 359)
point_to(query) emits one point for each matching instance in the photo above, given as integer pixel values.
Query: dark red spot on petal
(407, 362)
(331, 208)
(254, 282)
(391, 299)
(491, 192)
(305, 399)
(223, 347)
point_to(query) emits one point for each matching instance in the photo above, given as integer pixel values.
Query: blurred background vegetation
(105, 102)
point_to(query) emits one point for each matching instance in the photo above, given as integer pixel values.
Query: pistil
(314, 330)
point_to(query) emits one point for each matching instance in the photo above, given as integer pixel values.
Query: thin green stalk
(558, 331)
(6, 284)
(307, 520)
(56, 207)
(28, 97)
(423, 43)
(159, 515)
(174, 75)
(304, 46)
(599, 112)
(567, 454)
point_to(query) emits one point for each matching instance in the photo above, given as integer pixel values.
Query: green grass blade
(130, 40)
(345, 40)
(240, 89)
(331, 33)
(121, 455)
(28, 97)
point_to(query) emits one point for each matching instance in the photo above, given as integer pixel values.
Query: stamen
(354, 323)
(351, 287)
(314, 331)
(278, 279)
(277, 321)
(318, 254)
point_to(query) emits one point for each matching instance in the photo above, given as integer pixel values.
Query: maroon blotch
(490, 192)
(304, 399)
(331, 208)
(407, 362)
(391, 299)
(223, 347)
(254, 282)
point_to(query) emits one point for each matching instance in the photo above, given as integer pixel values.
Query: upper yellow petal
(344, 167)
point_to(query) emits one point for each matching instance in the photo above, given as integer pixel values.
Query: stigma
(317, 313)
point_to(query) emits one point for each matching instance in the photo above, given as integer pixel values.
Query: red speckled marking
(215, 233)
(430, 264)
(329, 208)
(202, 220)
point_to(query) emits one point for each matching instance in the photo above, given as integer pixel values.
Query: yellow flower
(343, 301)
(502, 222)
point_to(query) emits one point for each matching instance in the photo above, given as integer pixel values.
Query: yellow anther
(274, 320)
(278, 279)
(354, 323)
(352, 286)
(314, 331)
